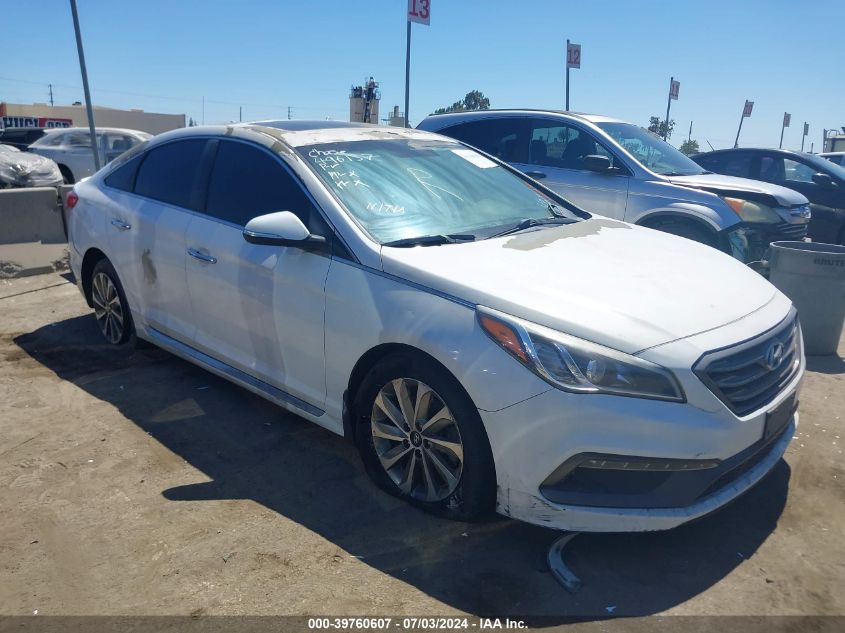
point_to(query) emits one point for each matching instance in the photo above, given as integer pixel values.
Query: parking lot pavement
(132, 482)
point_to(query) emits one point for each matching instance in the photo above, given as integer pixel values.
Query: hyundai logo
(774, 356)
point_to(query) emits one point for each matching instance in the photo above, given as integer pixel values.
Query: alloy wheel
(107, 307)
(417, 440)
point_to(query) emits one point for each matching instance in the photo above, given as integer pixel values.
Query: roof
(592, 118)
(53, 130)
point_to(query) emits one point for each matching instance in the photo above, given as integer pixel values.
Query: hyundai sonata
(484, 342)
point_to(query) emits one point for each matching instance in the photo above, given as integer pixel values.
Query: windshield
(400, 189)
(825, 166)
(651, 151)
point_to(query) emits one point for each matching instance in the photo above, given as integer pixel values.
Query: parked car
(625, 172)
(837, 158)
(820, 180)
(20, 137)
(71, 148)
(22, 169)
(483, 341)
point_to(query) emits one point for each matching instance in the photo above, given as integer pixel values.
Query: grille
(791, 231)
(749, 375)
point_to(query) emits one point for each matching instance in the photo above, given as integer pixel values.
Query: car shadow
(250, 449)
(831, 364)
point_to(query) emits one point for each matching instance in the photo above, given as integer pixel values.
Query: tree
(658, 126)
(689, 147)
(474, 100)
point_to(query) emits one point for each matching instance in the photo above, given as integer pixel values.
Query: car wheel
(110, 306)
(421, 439)
(688, 230)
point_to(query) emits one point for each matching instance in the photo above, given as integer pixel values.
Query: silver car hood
(619, 285)
(711, 182)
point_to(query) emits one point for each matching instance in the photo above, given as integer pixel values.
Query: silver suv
(623, 171)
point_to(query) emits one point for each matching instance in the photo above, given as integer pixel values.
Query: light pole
(88, 108)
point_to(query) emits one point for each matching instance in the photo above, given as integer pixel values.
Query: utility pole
(289, 109)
(567, 75)
(51, 94)
(89, 109)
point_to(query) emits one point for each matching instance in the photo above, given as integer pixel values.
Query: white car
(484, 342)
(70, 148)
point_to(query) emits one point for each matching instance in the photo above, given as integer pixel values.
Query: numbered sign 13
(419, 11)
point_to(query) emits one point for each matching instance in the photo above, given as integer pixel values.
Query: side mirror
(824, 180)
(597, 163)
(282, 228)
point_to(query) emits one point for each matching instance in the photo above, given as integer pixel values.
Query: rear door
(555, 155)
(258, 308)
(153, 196)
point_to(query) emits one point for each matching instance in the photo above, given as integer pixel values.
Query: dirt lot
(132, 482)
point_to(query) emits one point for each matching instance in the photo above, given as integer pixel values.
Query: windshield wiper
(431, 240)
(528, 223)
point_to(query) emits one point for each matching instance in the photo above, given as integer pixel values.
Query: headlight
(753, 211)
(572, 364)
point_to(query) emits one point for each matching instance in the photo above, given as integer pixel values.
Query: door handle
(202, 256)
(120, 224)
(536, 175)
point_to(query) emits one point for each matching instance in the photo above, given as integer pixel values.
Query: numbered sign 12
(419, 11)
(573, 56)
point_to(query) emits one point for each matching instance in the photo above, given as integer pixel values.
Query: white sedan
(484, 342)
(70, 148)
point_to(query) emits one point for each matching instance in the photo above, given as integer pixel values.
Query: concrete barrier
(31, 215)
(33, 239)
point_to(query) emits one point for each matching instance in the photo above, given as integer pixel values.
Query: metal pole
(407, 73)
(782, 128)
(240, 113)
(88, 107)
(803, 136)
(689, 136)
(668, 105)
(736, 142)
(567, 75)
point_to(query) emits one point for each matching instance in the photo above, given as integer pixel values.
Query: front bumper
(533, 442)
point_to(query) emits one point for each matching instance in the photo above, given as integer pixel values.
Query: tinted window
(780, 169)
(503, 138)
(247, 182)
(557, 145)
(734, 164)
(168, 173)
(123, 177)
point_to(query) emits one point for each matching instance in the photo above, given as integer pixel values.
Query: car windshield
(401, 189)
(825, 166)
(651, 151)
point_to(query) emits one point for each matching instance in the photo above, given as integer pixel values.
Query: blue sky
(268, 55)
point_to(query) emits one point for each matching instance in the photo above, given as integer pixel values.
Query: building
(363, 103)
(44, 115)
(396, 118)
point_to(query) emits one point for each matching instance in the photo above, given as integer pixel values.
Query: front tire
(421, 439)
(111, 309)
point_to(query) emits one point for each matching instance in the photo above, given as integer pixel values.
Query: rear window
(169, 173)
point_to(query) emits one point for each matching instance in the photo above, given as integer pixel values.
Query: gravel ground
(134, 483)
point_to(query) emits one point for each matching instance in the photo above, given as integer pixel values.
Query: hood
(623, 286)
(726, 185)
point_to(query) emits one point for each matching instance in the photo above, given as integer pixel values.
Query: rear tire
(67, 175)
(422, 440)
(111, 310)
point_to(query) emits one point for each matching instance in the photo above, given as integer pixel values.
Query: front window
(406, 188)
(651, 151)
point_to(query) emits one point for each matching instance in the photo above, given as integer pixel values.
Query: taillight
(71, 200)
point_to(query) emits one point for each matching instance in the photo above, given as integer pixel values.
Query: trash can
(813, 276)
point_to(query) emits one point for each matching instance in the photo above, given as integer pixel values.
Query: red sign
(419, 11)
(749, 106)
(573, 55)
(674, 89)
(35, 121)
